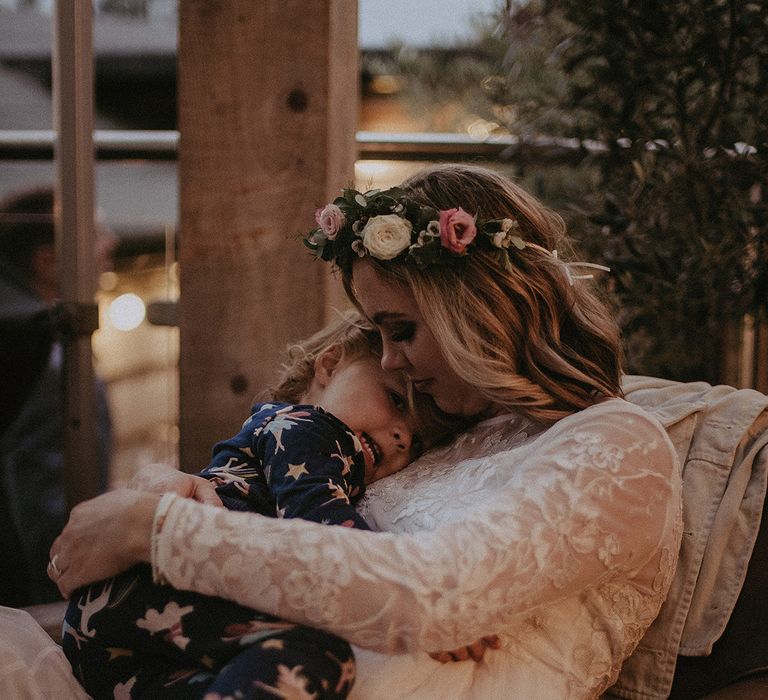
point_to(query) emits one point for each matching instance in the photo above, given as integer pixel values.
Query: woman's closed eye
(401, 333)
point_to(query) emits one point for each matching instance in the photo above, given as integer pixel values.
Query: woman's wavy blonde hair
(528, 337)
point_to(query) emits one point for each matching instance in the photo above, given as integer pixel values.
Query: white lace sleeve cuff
(161, 512)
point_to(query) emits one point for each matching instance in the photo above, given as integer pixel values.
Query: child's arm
(236, 468)
(313, 466)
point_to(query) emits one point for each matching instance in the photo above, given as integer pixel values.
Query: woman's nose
(392, 358)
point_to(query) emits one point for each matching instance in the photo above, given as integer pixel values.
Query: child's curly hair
(356, 337)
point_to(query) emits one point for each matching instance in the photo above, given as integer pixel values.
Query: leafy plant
(676, 92)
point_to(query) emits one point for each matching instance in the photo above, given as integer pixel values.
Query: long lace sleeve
(592, 501)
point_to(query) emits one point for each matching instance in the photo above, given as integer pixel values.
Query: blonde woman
(554, 521)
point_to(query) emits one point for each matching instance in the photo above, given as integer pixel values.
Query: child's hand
(160, 478)
(474, 651)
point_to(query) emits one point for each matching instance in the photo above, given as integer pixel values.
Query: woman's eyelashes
(401, 333)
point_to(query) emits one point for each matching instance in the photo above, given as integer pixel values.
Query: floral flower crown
(389, 225)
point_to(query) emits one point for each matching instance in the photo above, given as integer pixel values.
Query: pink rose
(330, 219)
(457, 229)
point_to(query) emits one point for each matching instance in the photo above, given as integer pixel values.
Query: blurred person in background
(32, 503)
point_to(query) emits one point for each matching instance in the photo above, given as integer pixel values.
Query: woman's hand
(160, 478)
(104, 536)
(474, 651)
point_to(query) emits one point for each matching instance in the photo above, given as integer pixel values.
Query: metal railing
(117, 145)
(163, 145)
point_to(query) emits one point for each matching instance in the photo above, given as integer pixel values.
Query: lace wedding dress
(562, 541)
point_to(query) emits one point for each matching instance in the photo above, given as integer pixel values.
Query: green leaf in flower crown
(430, 254)
(423, 216)
(348, 196)
(394, 193)
(493, 226)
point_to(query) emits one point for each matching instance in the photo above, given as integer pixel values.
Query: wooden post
(267, 117)
(73, 98)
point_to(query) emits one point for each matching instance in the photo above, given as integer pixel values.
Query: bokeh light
(127, 311)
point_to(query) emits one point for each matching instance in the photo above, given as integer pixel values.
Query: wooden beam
(267, 116)
(73, 98)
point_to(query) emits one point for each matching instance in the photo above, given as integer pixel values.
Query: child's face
(373, 404)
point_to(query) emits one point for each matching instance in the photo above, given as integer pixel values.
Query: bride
(553, 522)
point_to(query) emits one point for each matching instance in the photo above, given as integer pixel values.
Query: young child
(131, 637)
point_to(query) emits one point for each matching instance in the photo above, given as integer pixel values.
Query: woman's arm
(110, 533)
(595, 501)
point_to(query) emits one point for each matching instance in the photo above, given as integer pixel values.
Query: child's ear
(326, 363)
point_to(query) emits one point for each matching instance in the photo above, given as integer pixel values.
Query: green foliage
(677, 206)
(535, 87)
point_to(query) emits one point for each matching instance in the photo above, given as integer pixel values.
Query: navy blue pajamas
(130, 637)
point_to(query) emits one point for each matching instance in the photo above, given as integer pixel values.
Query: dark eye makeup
(402, 332)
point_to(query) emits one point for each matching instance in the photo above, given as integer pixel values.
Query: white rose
(386, 236)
